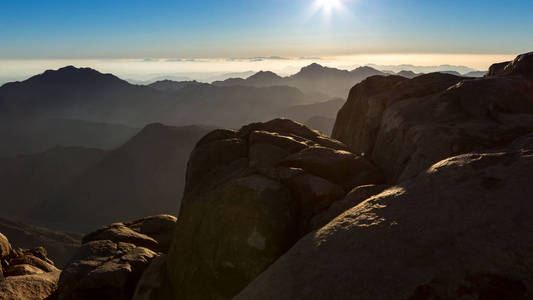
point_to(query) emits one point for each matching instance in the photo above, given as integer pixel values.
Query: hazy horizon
(138, 39)
(207, 70)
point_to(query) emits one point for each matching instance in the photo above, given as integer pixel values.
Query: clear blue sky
(47, 29)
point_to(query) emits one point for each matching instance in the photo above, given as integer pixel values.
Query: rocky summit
(249, 196)
(425, 192)
(457, 222)
(406, 125)
(462, 229)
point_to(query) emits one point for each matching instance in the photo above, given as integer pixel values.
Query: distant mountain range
(83, 107)
(311, 79)
(424, 69)
(85, 94)
(70, 186)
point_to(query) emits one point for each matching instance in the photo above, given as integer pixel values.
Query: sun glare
(328, 6)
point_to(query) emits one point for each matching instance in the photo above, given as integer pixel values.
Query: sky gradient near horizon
(75, 30)
(249, 28)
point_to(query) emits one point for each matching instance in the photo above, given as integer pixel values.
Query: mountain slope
(27, 180)
(28, 135)
(143, 177)
(82, 94)
(230, 106)
(310, 79)
(319, 116)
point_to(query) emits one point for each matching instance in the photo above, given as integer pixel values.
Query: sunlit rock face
(462, 229)
(250, 194)
(406, 125)
(458, 222)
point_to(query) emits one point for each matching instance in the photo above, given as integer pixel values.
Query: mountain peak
(71, 74)
(313, 66)
(264, 75)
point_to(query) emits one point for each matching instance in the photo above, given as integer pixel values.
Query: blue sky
(109, 29)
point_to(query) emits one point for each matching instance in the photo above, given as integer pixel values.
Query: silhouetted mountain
(451, 73)
(330, 81)
(407, 74)
(310, 79)
(143, 177)
(86, 94)
(265, 78)
(170, 85)
(82, 94)
(422, 69)
(475, 74)
(259, 79)
(26, 135)
(230, 106)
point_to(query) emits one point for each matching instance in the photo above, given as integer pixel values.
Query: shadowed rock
(249, 196)
(112, 259)
(462, 229)
(404, 126)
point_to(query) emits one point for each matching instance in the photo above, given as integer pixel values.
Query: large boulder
(406, 125)
(227, 239)
(154, 284)
(460, 230)
(104, 270)
(354, 197)
(249, 196)
(521, 65)
(29, 287)
(112, 259)
(5, 246)
(152, 232)
(26, 273)
(5, 250)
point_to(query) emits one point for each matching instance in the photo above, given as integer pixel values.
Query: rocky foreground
(426, 192)
(25, 273)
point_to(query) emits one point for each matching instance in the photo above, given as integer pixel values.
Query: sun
(328, 6)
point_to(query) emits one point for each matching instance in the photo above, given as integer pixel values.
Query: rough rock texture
(5, 246)
(354, 197)
(22, 269)
(29, 287)
(521, 65)
(460, 230)
(152, 232)
(154, 283)
(25, 273)
(119, 232)
(249, 196)
(104, 270)
(406, 125)
(112, 259)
